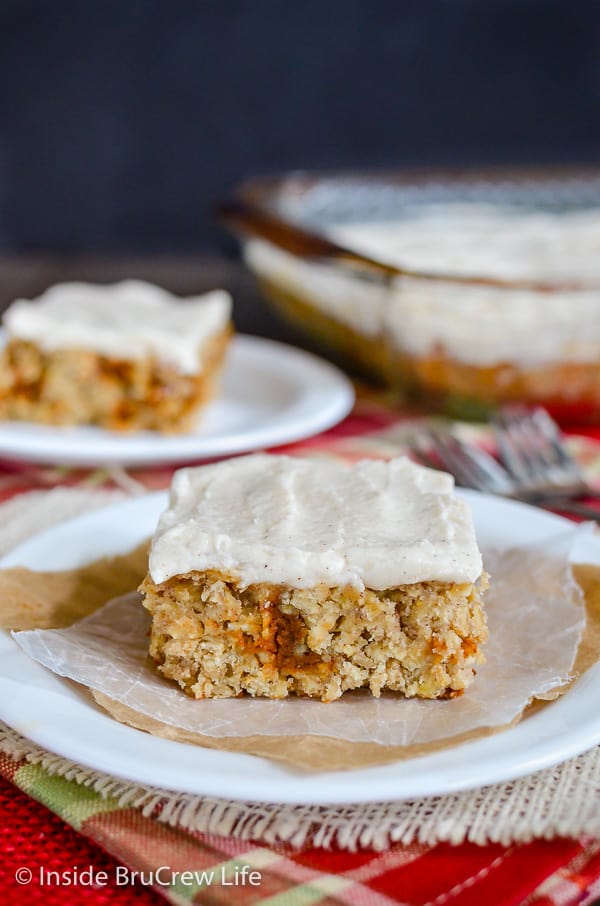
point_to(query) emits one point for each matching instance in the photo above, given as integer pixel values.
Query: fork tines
(471, 467)
(531, 447)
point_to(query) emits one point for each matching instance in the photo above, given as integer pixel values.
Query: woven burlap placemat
(559, 801)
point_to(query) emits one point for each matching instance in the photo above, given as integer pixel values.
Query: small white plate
(57, 715)
(271, 394)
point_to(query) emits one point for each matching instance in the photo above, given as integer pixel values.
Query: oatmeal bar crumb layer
(217, 641)
(82, 387)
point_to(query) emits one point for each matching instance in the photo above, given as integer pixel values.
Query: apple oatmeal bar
(124, 357)
(277, 576)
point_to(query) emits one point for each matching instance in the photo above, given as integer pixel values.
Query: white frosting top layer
(128, 320)
(476, 324)
(485, 240)
(303, 522)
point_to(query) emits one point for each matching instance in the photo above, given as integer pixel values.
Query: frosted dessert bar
(274, 575)
(127, 356)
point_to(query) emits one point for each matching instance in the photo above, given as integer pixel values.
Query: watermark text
(226, 875)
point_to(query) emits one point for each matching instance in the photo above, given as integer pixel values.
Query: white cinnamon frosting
(486, 240)
(303, 522)
(127, 320)
(475, 324)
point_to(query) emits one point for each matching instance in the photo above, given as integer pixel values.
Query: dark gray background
(122, 121)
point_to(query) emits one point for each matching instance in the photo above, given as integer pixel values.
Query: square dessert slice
(127, 356)
(275, 575)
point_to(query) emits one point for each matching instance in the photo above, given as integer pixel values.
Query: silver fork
(474, 468)
(532, 449)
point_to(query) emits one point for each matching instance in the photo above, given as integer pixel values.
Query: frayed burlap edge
(560, 801)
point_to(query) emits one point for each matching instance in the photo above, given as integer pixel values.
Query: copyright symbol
(23, 875)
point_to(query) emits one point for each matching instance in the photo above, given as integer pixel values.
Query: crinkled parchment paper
(535, 615)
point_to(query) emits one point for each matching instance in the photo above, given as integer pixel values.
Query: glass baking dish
(502, 305)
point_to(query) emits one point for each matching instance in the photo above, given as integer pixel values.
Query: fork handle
(572, 508)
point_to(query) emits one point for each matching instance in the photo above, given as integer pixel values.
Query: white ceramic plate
(270, 394)
(55, 714)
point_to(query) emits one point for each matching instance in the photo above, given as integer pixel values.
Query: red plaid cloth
(544, 873)
(547, 873)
